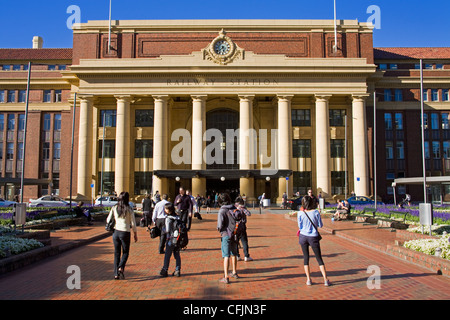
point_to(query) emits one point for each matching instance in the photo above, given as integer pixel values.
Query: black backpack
(179, 235)
(239, 227)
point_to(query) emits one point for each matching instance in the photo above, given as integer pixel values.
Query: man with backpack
(226, 225)
(176, 240)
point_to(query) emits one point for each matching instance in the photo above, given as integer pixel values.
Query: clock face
(222, 47)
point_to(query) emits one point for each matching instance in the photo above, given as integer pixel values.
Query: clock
(222, 47)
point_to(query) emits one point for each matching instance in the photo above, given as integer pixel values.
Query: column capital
(360, 97)
(85, 97)
(246, 97)
(284, 97)
(199, 97)
(123, 98)
(161, 97)
(322, 97)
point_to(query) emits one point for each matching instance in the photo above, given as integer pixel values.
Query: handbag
(155, 232)
(111, 224)
(320, 237)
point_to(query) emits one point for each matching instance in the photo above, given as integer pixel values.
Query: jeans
(121, 240)
(160, 224)
(176, 254)
(244, 240)
(305, 242)
(184, 216)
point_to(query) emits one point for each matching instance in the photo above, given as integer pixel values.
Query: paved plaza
(275, 274)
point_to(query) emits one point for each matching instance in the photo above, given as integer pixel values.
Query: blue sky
(403, 23)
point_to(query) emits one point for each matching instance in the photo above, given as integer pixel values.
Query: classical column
(360, 146)
(123, 133)
(198, 129)
(284, 142)
(323, 174)
(160, 142)
(84, 179)
(247, 143)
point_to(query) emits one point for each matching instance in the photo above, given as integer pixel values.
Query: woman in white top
(125, 220)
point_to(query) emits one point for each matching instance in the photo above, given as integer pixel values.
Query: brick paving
(275, 274)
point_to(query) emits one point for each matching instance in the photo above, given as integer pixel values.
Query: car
(6, 203)
(362, 200)
(295, 203)
(109, 201)
(49, 201)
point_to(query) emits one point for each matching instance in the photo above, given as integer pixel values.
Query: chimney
(38, 42)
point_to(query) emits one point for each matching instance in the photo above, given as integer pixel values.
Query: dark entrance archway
(214, 186)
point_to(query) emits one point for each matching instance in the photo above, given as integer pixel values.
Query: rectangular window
(2, 123)
(57, 151)
(393, 66)
(109, 116)
(398, 95)
(301, 118)
(434, 95)
(55, 180)
(21, 122)
(400, 150)
(436, 149)
(46, 151)
(11, 96)
(51, 67)
(108, 181)
(58, 95)
(302, 181)
(47, 123)
(142, 183)
(16, 67)
(444, 119)
(110, 149)
(20, 151)
(6, 67)
(2, 96)
(337, 118)
(428, 66)
(1, 150)
(11, 122)
(425, 95)
(425, 120)
(387, 95)
(301, 148)
(10, 151)
(388, 121)
(389, 150)
(434, 121)
(337, 147)
(57, 122)
(143, 149)
(439, 66)
(427, 149)
(383, 66)
(62, 67)
(445, 96)
(398, 121)
(47, 96)
(144, 118)
(22, 96)
(390, 176)
(338, 182)
(446, 149)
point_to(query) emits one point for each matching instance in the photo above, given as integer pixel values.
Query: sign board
(321, 203)
(287, 178)
(92, 185)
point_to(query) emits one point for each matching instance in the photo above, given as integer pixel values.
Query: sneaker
(163, 273)
(176, 273)
(327, 283)
(308, 283)
(238, 259)
(225, 280)
(248, 259)
(235, 275)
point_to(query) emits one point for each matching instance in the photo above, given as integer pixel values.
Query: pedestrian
(209, 204)
(184, 206)
(240, 205)
(310, 193)
(125, 220)
(146, 210)
(171, 248)
(284, 198)
(156, 197)
(225, 225)
(159, 220)
(308, 222)
(83, 213)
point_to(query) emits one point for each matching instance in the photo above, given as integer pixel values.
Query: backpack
(179, 234)
(239, 227)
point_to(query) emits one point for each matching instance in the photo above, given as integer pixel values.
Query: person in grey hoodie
(225, 225)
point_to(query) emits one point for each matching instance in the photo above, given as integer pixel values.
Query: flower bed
(11, 245)
(429, 246)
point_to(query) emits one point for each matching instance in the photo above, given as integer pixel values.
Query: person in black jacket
(147, 209)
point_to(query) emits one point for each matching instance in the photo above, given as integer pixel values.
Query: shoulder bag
(111, 224)
(320, 237)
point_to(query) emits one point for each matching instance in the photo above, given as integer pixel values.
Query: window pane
(12, 96)
(400, 150)
(144, 118)
(47, 96)
(58, 95)
(57, 151)
(57, 122)
(389, 150)
(427, 149)
(22, 96)
(388, 121)
(301, 148)
(445, 95)
(142, 183)
(46, 151)
(337, 118)
(109, 116)
(2, 96)
(21, 122)
(399, 121)
(143, 149)
(110, 149)
(10, 151)
(398, 95)
(434, 95)
(387, 95)
(337, 148)
(434, 121)
(444, 118)
(47, 123)
(301, 118)
(446, 150)
(11, 122)
(436, 150)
